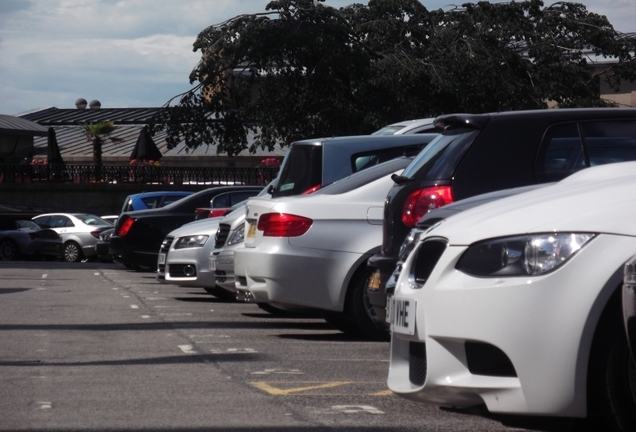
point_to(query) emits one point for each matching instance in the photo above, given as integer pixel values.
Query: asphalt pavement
(95, 347)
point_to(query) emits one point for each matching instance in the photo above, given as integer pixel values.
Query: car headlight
(237, 236)
(191, 241)
(524, 255)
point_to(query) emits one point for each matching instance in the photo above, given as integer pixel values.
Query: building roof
(13, 125)
(129, 121)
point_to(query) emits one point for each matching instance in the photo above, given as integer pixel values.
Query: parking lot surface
(96, 347)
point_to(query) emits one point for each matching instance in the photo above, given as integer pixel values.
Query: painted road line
(134, 307)
(279, 371)
(351, 409)
(261, 385)
(45, 405)
(45, 275)
(187, 349)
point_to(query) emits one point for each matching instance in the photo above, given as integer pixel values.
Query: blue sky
(132, 53)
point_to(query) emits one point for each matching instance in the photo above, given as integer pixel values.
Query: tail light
(200, 213)
(421, 201)
(95, 234)
(283, 225)
(125, 227)
(312, 189)
(33, 236)
(218, 213)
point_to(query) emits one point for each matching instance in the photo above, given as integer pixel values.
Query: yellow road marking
(281, 392)
(382, 393)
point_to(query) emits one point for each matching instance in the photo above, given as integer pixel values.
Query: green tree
(98, 133)
(301, 69)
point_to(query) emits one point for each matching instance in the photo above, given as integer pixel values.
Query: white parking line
(134, 307)
(187, 349)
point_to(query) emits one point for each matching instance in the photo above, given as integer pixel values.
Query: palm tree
(98, 133)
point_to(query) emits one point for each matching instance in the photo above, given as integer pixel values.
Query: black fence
(136, 174)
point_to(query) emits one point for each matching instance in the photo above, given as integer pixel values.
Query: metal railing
(85, 174)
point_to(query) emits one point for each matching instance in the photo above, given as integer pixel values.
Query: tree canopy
(301, 69)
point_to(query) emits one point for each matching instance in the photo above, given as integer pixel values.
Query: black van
(480, 153)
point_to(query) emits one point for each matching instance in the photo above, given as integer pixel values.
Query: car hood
(600, 199)
(202, 226)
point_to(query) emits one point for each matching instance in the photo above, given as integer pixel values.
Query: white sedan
(311, 251)
(513, 307)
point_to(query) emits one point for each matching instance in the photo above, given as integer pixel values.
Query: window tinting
(568, 148)
(302, 170)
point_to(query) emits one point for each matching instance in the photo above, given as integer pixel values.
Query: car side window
(237, 197)
(151, 203)
(219, 201)
(60, 222)
(568, 148)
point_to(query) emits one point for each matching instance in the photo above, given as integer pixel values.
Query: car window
(450, 145)
(219, 201)
(169, 199)
(237, 197)
(43, 221)
(90, 219)
(151, 202)
(361, 161)
(568, 148)
(364, 177)
(59, 221)
(301, 170)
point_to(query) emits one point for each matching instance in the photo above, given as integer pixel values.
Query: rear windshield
(301, 171)
(439, 159)
(364, 177)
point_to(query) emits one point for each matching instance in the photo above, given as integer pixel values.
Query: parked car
(21, 237)
(629, 309)
(481, 153)
(103, 245)
(221, 205)
(310, 251)
(184, 255)
(79, 232)
(315, 163)
(138, 234)
(112, 219)
(228, 239)
(408, 127)
(152, 200)
(513, 308)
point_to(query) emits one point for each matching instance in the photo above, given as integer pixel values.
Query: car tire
(72, 252)
(611, 376)
(341, 322)
(360, 310)
(8, 250)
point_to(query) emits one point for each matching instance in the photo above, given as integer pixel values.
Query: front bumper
(224, 269)
(189, 267)
(542, 326)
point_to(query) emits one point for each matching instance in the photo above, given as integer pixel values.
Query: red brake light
(95, 234)
(125, 227)
(218, 213)
(312, 189)
(283, 225)
(421, 201)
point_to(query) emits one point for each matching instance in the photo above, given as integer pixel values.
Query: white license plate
(162, 259)
(403, 315)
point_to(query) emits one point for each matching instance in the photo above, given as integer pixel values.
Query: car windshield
(26, 224)
(301, 170)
